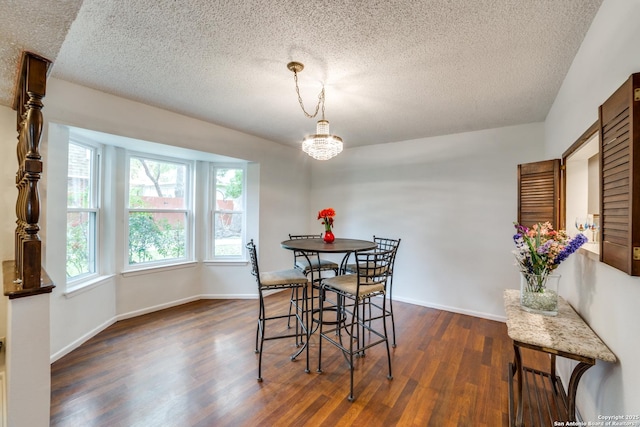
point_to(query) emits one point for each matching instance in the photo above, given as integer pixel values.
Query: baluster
(33, 125)
(30, 122)
(20, 154)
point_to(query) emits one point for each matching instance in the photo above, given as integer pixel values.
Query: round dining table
(318, 245)
(339, 245)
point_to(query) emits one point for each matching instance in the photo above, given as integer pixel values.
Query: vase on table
(328, 236)
(539, 293)
(326, 215)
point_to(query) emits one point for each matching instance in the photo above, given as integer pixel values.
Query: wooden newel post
(28, 276)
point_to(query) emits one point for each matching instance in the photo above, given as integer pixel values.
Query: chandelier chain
(320, 99)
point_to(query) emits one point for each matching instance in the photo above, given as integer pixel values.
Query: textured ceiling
(393, 70)
(39, 26)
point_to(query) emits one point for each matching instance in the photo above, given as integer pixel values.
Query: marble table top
(566, 332)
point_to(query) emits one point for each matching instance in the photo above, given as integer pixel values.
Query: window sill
(234, 262)
(79, 288)
(591, 250)
(158, 268)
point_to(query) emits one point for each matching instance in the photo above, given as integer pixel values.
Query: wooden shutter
(539, 193)
(620, 186)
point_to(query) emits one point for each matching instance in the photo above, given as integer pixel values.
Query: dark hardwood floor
(194, 365)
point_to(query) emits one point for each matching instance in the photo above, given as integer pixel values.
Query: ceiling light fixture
(322, 145)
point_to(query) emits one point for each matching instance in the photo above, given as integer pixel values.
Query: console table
(565, 335)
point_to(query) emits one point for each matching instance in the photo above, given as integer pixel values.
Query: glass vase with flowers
(539, 251)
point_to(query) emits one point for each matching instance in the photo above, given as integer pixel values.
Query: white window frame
(213, 210)
(188, 211)
(95, 204)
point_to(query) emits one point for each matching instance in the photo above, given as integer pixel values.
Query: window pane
(228, 234)
(229, 185)
(79, 176)
(156, 236)
(157, 184)
(80, 243)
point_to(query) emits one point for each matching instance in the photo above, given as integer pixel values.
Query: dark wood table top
(339, 245)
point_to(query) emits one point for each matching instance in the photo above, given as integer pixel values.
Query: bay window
(228, 212)
(83, 197)
(159, 210)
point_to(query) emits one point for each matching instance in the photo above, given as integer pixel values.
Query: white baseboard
(95, 331)
(158, 307)
(227, 296)
(77, 343)
(175, 303)
(473, 313)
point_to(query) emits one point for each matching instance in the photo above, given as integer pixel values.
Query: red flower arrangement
(326, 215)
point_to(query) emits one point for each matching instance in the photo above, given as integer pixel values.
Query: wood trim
(634, 214)
(579, 143)
(33, 64)
(619, 128)
(539, 193)
(24, 275)
(586, 136)
(13, 288)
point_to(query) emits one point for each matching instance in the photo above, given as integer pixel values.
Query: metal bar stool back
(372, 271)
(311, 264)
(292, 279)
(385, 244)
(312, 260)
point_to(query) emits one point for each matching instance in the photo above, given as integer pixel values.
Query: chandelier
(322, 145)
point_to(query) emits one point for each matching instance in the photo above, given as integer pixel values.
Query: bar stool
(310, 263)
(384, 244)
(277, 280)
(312, 260)
(372, 271)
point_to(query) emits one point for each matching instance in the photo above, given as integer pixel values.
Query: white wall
(283, 183)
(280, 174)
(451, 199)
(8, 195)
(606, 298)
(28, 386)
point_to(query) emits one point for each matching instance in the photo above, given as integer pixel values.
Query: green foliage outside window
(77, 248)
(153, 240)
(233, 188)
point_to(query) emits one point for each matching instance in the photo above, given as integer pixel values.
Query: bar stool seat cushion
(348, 283)
(282, 277)
(370, 267)
(322, 264)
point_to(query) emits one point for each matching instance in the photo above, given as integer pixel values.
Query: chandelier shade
(322, 145)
